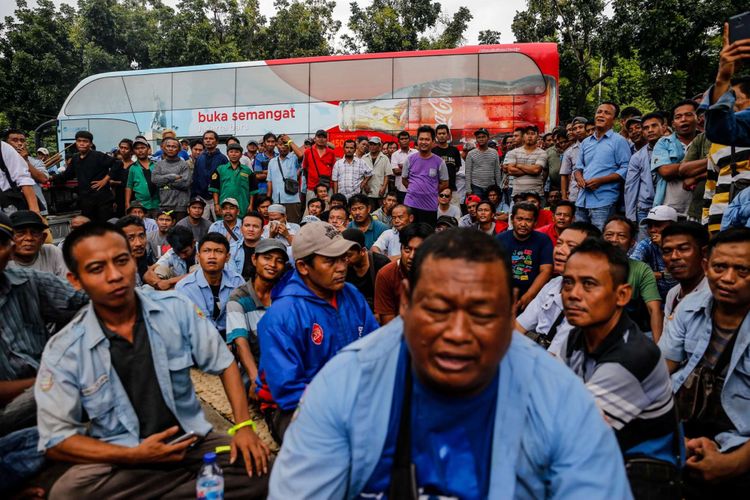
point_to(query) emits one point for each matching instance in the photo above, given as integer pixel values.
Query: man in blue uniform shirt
(475, 410)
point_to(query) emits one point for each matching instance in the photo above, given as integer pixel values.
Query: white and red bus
(498, 87)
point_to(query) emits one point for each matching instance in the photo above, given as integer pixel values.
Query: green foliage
(489, 37)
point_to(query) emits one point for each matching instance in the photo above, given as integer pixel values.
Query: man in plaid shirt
(350, 174)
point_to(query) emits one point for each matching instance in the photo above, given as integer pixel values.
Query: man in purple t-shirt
(424, 175)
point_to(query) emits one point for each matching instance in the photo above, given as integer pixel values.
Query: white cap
(44, 151)
(661, 213)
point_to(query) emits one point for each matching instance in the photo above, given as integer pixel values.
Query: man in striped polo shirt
(623, 369)
(482, 166)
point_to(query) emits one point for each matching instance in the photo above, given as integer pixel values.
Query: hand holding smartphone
(184, 437)
(739, 27)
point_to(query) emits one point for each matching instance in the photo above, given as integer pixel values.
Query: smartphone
(739, 27)
(184, 437)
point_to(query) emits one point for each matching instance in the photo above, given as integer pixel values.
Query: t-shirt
(248, 269)
(388, 288)
(526, 257)
(452, 158)
(366, 283)
(554, 162)
(525, 183)
(453, 211)
(319, 165)
(424, 175)
(199, 230)
(451, 440)
(641, 280)
(650, 253)
(158, 243)
(49, 260)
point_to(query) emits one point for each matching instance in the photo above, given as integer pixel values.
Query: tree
(489, 37)
(301, 29)
(399, 25)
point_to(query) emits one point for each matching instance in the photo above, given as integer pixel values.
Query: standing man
(639, 184)
(450, 155)
(424, 175)
(602, 165)
(525, 165)
(114, 386)
(398, 160)
(359, 209)
(209, 286)
(381, 172)
(554, 158)
(530, 253)
(194, 220)
(668, 154)
(568, 184)
(172, 176)
(140, 186)
(317, 164)
(233, 180)
(462, 392)
(37, 171)
(482, 166)
(281, 170)
(205, 166)
(196, 148)
(266, 152)
(119, 174)
(313, 317)
(228, 225)
(92, 169)
(351, 175)
(241, 252)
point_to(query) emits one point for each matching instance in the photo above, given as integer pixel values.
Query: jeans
(595, 216)
(479, 191)
(640, 215)
(19, 457)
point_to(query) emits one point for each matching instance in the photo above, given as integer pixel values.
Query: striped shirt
(527, 182)
(244, 311)
(483, 168)
(349, 176)
(630, 383)
(29, 300)
(719, 179)
(720, 339)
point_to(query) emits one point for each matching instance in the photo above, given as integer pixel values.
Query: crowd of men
(385, 310)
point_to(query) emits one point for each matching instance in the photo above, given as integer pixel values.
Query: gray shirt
(173, 179)
(528, 182)
(49, 260)
(482, 168)
(199, 230)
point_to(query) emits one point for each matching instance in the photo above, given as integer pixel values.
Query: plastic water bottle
(210, 482)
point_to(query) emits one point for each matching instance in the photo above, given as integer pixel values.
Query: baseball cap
(308, 219)
(197, 199)
(141, 141)
(375, 140)
(277, 208)
(6, 225)
(481, 131)
(630, 121)
(660, 214)
(26, 218)
(321, 133)
(320, 238)
(135, 204)
(252, 141)
(231, 201)
(269, 245)
(234, 147)
(472, 198)
(579, 119)
(447, 220)
(44, 151)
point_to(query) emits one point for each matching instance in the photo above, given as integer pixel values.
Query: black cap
(447, 220)
(26, 218)
(252, 141)
(321, 133)
(6, 225)
(355, 235)
(481, 131)
(197, 199)
(579, 119)
(135, 204)
(630, 121)
(234, 146)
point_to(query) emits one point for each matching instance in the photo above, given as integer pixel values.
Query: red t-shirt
(545, 217)
(388, 288)
(549, 230)
(324, 165)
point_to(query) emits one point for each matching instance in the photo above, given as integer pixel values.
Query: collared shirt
(260, 164)
(465, 221)
(639, 184)
(389, 243)
(669, 150)
(673, 299)
(290, 168)
(723, 125)
(348, 176)
(290, 226)
(48, 260)
(569, 160)
(205, 166)
(17, 168)
(374, 230)
(543, 311)
(649, 252)
(398, 160)
(238, 183)
(244, 311)
(317, 165)
(380, 215)
(139, 183)
(380, 170)
(685, 340)
(195, 287)
(219, 227)
(170, 265)
(600, 157)
(29, 300)
(95, 166)
(76, 373)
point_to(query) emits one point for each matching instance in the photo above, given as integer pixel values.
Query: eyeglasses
(444, 195)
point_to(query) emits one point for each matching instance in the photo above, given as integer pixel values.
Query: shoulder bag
(291, 186)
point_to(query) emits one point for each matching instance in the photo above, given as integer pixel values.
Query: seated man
(390, 278)
(543, 320)
(314, 316)
(544, 215)
(468, 220)
(135, 232)
(565, 214)
(76, 221)
(137, 209)
(363, 265)
(315, 207)
(706, 347)
(649, 250)
(388, 243)
(683, 247)
(278, 227)
(227, 225)
(125, 361)
(359, 207)
(384, 213)
(338, 217)
(623, 369)
(176, 263)
(241, 252)
(209, 286)
(157, 241)
(426, 404)
(248, 303)
(30, 250)
(645, 301)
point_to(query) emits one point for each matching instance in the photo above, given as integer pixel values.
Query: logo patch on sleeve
(317, 334)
